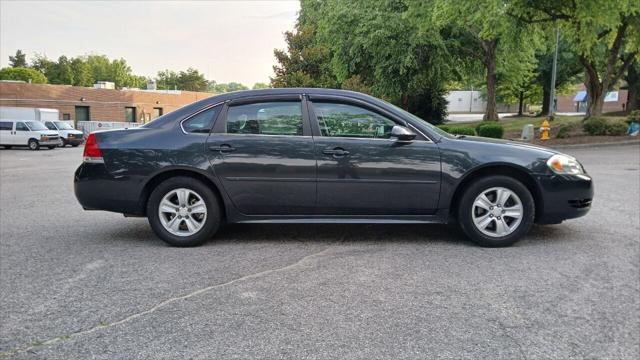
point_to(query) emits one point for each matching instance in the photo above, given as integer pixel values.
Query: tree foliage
(18, 60)
(23, 74)
(604, 35)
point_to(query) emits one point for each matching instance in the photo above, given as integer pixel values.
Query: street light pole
(553, 75)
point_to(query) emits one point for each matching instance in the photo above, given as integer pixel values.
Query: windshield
(36, 125)
(63, 125)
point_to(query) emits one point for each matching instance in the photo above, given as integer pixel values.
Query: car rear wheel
(496, 211)
(33, 144)
(183, 212)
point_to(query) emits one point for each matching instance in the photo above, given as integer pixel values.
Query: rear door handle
(222, 148)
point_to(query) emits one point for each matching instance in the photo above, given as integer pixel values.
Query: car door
(6, 132)
(22, 134)
(362, 171)
(262, 151)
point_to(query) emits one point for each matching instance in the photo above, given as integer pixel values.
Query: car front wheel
(183, 212)
(496, 211)
(33, 144)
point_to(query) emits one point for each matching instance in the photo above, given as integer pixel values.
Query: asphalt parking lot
(77, 284)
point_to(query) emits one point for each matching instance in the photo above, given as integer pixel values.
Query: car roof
(283, 91)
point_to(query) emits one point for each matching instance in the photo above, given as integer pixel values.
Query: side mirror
(402, 134)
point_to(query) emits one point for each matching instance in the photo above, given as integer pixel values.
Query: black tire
(465, 208)
(63, 143)
(75, 145)
(212, 221)
(33, 144)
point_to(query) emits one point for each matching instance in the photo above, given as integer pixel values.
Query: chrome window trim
(196, 113)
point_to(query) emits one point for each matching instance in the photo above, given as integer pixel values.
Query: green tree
(42, 64)
(61, 72)
(487, 35)
(167, 80)
(81, 72)
(18, 60)
(307, 60)
(605, 35)
(23, 74)
(260, 85)
(192, 80)
(633, 81)
(376, 42)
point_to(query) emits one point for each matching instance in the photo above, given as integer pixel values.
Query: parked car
(29, 133)
(68, 135)
(322, 156)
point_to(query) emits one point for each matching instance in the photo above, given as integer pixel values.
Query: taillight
(92, 153)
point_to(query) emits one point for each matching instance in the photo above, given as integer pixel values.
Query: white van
(29, 133)
(68, 135)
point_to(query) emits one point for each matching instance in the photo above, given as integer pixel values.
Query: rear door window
(5, 125)
(266, 118)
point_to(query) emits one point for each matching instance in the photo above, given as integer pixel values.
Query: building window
(66, 116)
(82, 113)
(157, 112)
(130, 114)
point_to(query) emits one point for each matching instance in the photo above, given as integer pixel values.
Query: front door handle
(222, 148)
(337, 152)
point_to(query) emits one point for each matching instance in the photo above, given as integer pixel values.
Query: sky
(225, 40)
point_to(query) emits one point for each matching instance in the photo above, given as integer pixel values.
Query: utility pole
(553, 75)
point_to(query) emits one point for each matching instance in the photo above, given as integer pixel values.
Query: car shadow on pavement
(138, 232)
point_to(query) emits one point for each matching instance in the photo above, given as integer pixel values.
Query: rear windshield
(35, 125)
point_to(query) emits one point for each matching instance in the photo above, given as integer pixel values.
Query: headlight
(565, 164)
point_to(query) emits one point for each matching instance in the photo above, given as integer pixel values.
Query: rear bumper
(96, 189)
(564, 197)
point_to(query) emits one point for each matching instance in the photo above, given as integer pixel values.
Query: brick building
(576, 101)
(94, 104)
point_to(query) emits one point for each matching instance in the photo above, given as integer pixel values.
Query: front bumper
(74, 141)
(564, 197)
(50, 142)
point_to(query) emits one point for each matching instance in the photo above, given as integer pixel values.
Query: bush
(563, 132)
(444, 127)
(23, 74)
(634, 116)
(491, 130)
(595, 126)
(483, 123)
(462, 130)
(616, 129)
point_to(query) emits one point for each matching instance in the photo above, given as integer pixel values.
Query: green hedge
(458, 130)
(599, 126)
(617, 129)
(564, 132)
(490, 129)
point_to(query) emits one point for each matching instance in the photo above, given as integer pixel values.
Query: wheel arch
(517, 172)
(156, 179)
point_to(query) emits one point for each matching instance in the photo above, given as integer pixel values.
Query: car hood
(74, 132)
(518, 144)
(48, 132)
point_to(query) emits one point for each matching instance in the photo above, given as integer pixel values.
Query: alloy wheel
(182, 212)
(497, 212)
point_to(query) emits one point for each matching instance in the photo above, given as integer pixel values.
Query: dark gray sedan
(322, 156)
